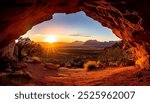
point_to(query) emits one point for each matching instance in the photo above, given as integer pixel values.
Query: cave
(128, 19)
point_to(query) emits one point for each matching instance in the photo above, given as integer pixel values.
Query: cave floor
(117, 76)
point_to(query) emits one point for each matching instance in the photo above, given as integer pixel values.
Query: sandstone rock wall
(8, 51)
(128, 19)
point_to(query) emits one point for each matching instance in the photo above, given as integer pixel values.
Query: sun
(50, 39)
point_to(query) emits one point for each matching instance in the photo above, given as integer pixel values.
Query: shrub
(90, 66)
(117, 55)
(68, 65)
(77, 62)
(99, 64)
(26, 48)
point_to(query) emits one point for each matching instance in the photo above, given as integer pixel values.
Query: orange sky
(59, 38)
(69, 28)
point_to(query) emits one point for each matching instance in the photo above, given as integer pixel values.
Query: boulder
(15, 78)
(18, 65)
(21, 74)
(51, 66)
(35, 60)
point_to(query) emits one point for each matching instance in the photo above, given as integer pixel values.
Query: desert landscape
(89, 63)
(74, 43)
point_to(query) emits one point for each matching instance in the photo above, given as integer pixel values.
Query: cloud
(79, 35)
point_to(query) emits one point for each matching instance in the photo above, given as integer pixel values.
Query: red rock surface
(128, 19)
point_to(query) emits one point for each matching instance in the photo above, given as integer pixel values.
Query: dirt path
(109, 76)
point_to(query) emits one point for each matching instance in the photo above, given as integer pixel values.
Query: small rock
(19, 65)
(21, 74)
(51, 66)
(8, 70)
(36, 60)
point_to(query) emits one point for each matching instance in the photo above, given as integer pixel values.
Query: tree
(26, 48)
(119, 54)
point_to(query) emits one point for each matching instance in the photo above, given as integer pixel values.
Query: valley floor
(119, 76)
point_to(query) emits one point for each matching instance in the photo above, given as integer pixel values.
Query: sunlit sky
(69, 28)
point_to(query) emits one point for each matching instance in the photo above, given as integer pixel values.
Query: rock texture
(8, 51)
(128, 19)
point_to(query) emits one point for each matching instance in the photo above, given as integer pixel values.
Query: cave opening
(125, 19)
(73, 41)
(75, 29)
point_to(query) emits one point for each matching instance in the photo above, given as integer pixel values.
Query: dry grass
(90, 66)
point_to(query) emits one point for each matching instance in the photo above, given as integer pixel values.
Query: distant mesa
(77, 43)
(99, 44)
(92, 43)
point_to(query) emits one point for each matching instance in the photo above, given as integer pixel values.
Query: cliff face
(128, 19)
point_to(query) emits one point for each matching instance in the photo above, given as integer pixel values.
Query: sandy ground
(78, 77)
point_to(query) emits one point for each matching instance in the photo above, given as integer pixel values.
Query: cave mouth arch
(123, 18)
(79, 35)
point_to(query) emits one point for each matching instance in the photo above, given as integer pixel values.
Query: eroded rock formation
(8, 51)
(128, 19)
